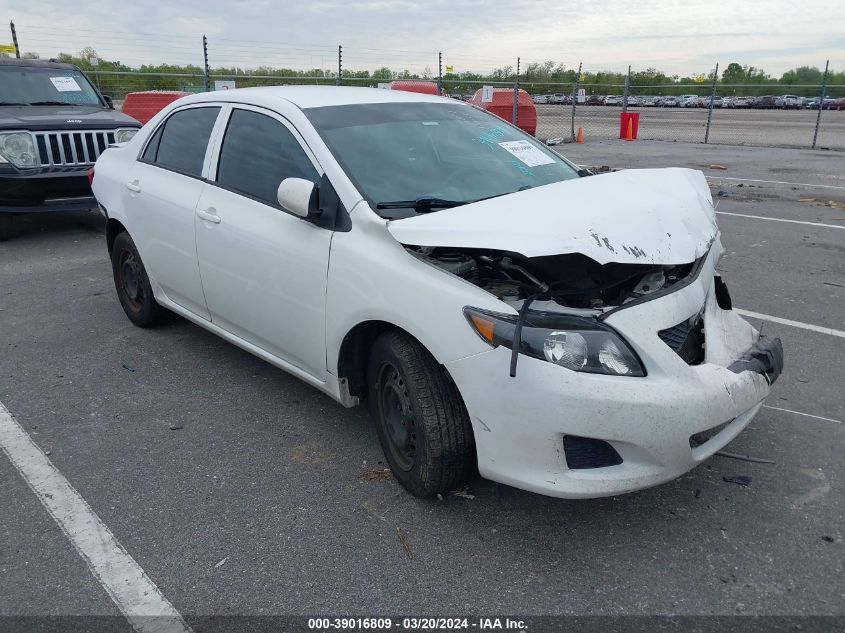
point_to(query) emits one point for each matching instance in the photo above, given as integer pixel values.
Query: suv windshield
(406, 158)
(29, 85)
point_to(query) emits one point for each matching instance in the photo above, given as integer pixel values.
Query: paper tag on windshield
(65, 84)
(527, 153)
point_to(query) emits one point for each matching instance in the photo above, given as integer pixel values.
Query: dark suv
(53, 125)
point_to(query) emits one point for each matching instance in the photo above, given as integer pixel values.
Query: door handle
(209, 215)
(133, 186)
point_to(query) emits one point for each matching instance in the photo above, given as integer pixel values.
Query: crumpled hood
(635, 216)
(58, 117)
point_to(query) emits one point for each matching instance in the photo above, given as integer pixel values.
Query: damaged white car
(497, 309)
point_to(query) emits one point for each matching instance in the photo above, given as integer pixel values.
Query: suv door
(263, 269)
(161, 198)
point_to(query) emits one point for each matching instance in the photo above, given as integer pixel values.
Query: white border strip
(138, 599)
(807, 415)
(804, 326)
(776, 182)
(763, 217)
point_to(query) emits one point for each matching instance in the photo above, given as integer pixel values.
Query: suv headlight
(124, 134)
(576, 343)
(18, 148)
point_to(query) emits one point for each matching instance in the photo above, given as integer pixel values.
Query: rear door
(263, 269)
(161, 199)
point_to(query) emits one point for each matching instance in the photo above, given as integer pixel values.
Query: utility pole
(627, 87)
(205, 62)
(515, 113)
(710, 109)
(575, 97)
(339, 65)
(821, 103)
(15, 40)
(440, 73)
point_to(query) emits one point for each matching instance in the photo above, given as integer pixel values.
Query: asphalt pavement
(240, 490)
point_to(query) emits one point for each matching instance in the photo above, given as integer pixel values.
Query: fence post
(205, 62)
(440, 73)
(575, 97)
(515, 113)
(339, 78)
(710, 108)
(625, 91)
(821, 103)
(15, 39)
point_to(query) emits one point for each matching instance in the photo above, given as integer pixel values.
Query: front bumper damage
(531, 429)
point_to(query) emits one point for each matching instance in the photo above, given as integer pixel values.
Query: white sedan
(499, 310)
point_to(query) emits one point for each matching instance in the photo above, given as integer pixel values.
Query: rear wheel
(133, 285)
(422, 424)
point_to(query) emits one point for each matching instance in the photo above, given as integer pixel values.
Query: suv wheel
(421, 421)
(133, 285)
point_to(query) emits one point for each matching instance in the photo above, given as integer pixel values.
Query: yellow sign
(449, 68)
(700, 78)
(582, 77)
(7, 48)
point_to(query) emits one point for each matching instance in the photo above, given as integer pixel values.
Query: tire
(7, 222)
(420, 418)
(133, 285)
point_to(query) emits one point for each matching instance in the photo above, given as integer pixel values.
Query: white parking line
(138, 599)
(776, 182)
(799, 324)
(807, 415)
(763, 217)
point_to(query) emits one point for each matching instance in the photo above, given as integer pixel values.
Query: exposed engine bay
(571, 281)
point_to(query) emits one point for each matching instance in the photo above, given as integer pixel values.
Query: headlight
(576, 343)
(17, 148)
(124, 134)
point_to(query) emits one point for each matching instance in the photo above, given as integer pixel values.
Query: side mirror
(109, 102)
(299, 196)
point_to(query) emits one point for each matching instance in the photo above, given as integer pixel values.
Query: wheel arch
(113, 229)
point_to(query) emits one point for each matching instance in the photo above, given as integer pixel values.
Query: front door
(263, 270)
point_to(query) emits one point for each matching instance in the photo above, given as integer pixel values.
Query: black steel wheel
(420, 418)
(133, 285)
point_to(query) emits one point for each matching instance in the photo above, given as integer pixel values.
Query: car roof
(314, 96)
(37, 63)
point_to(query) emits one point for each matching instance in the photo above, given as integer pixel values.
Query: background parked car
(540, 98)
(557, 98)
(671, 102)
(612, 100)
(765, 102)
(633, 101)
(595, 100)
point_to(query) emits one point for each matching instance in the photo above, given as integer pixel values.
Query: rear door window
(183, 141)
(258, 152)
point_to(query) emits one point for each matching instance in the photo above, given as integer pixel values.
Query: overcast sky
(678, 36)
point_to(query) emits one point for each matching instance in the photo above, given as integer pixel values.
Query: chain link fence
(766, 113)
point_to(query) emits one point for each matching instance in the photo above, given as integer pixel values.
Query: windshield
(28, 85)
(445, 152)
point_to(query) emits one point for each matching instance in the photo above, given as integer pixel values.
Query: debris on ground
(806, 199)
(376, 474)
(555, 141)
(827, 538)
(403, 541)
(744, 458)
(176, 427)
(715, 166)
(722, 194)
(128, 368)
(740, 480)
(463, 492)
(221, 563)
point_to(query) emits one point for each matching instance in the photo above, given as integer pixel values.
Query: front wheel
(420, 418)
(133, 285)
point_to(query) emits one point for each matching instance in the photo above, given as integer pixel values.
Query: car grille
(72, 148)
(686, 339)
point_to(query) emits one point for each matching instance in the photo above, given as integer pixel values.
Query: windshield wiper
(51, 103)
(422, 204)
